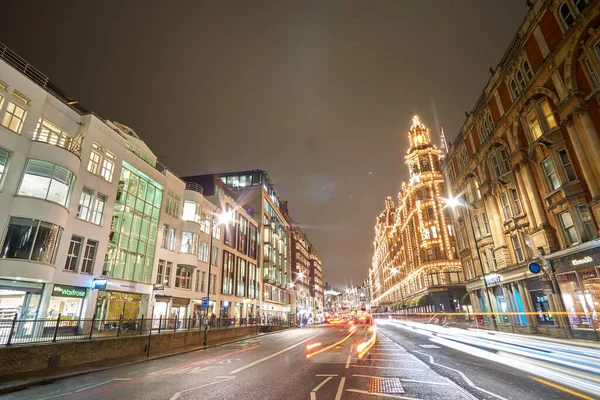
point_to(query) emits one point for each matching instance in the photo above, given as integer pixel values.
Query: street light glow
(225, 218)
(453, 202)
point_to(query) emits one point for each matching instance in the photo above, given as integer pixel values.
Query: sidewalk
(12, 383)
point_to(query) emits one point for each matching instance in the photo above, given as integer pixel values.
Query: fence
(15, 331)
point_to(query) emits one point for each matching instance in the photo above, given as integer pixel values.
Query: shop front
(112, 305)
(66, 301)
(20, 298)
(578, 276)
(179, 309)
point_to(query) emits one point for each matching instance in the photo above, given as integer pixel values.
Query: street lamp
(454, 202)
(223, 218)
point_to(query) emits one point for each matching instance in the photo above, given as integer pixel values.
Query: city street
(276, 366)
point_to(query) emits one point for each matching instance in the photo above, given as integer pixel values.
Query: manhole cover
(385, 385)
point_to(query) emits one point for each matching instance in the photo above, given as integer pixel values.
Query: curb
(50, 379)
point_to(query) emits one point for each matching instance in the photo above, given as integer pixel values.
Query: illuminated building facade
(527, 162)
(415, 264)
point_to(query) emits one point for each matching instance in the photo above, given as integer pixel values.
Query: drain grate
(385, 385)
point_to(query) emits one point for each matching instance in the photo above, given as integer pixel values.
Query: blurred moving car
(366, 334)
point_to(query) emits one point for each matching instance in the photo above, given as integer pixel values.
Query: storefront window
(31, 239)
(20, 298)
(66, 301)
(581, 296)
(542, 307)
(502, 305)
(111, 305)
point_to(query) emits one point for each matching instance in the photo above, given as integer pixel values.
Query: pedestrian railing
(15, 331)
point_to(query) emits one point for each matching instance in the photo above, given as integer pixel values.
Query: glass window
(189, 243)
(580, 4)
(98, 212)
(529, 244)
(566, 164)
(202, 288)
(94, 162)
(203, 252)
(548, 114)
(215, 256)
(550, 173)
(85, 203)
(45, 180)
(565, 14)
(183, 277)
(89, 256)
(173, 204)
(504, 160)
(591, 73)
(165, 236)
(477, 226)
(534, 125)
(520, 80)
(527, 70)
(172, 234)
(14, 117)
(495, 166)
(517, 248)
(516, 201)
(426, 234)
(569, 231)
(191, 211)
(586, 220)
(514, 89)
(486, 263)
(240, 290)
(3, 160)
(31, 239)
(73, 253)
(506, 206)
(434, 233)
(108, 166)
(493, 258)
(486, 225)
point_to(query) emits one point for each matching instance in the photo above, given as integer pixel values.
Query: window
(217, 232)
(14, 117)
(205, 223)
(197, 285)
(202, 281)
(173, 204)
(73, 253)
(499, 162)
(591, 73)
(486, 225)
(548, 114)
(228, 272)
(527, 71)
(47, 181)
(101, 163)
(517, 248)
(89, 256)
(425, 165)
(514, 89)
(98, 212)
(529, 245)
(580, 4)
(534, 125)
(426, 234)
(463, 157)
(565, 14)
(165, 236)
(486, 127)
(477, 226)
(437, 252)
(183, 277)
(568, 228)
(172, 234)
(566, 164)
(493, 258)
(486, 263)
(516, 201)
(434, 233)
(215, 256)
(191, 212)
(429, 254)
(214, 283)
(430, 213)
(189, 243)
(85, 203)
(469, 268)
(589, 229)
(520, 80)
(163, 274)
(242, 243)
(203, 252)
(31, 239)
(434, 279)
(505, 206)
(240, 290)
(550, 173)
(253, 242)
(450, 230)
(3, 159)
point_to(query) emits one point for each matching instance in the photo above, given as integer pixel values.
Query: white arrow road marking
(222, 379)
(313, 393)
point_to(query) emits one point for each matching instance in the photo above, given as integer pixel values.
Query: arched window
(514, 89)
(565, 14)
(580, 4)
(490, 122)
(520, 80)
(527, 70)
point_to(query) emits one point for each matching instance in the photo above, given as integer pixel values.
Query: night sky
(319, 94)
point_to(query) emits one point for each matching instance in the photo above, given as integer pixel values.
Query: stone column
(525, 197)
(532, 192)
(588, 171)
(590, 138)
(495, 220)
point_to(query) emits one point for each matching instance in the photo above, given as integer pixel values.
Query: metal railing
(15, 331)
(22, 65)
(194, 186)
(62, 140)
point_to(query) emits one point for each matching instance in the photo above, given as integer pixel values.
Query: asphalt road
(277, 367)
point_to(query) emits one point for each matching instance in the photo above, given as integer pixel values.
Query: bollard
(12, 330)
(56, 328)
(159, 322)
(175, 324)
(150, 336)
(141, 325)
(92, 328)
(206, 335)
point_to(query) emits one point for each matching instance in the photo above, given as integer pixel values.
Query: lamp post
(453, 202)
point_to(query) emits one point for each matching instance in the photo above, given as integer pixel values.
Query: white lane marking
(469, 382)
(55, 396)
(327, 375)
(252, 364)
(122, 379)
(338, 395)
(373, 366)
(391, 359)
(222, 379)
(162, 370)
(403, 380)
(93, 386)
(389, 396)
(320, 385)
(348, 361)
(429, 346)
(313, 396)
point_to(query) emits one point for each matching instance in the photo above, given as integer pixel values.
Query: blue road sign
(204, 303)
(535, 268)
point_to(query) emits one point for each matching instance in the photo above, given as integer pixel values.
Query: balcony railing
(194, 186)
(62, 140)
(22, 65)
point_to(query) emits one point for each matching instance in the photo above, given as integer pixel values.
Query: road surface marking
(320, 385)
(403, 380)
(430, 346)
(207, 360)
(55, 396)
(391, 359)
(373, 366)
(222, 379)
(348, 361)
(561, 388)
(272, 355)
(338, 395)
(389, 396)
(465, 377)
(327, 375)
(122, 379)
(93, 386)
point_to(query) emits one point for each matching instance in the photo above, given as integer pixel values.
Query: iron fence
(15, 331)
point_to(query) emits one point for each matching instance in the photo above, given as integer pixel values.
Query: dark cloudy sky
(320, 94)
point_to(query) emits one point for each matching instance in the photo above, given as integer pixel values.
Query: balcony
(194, 187)
(60, 139)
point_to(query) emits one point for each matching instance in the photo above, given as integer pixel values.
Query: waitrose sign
(68, 291)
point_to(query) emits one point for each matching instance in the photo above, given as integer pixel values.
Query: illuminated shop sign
(584, 260)
(68, 291)
(493, 279)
